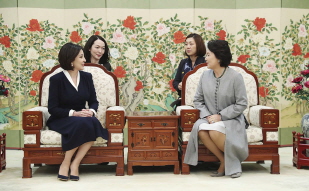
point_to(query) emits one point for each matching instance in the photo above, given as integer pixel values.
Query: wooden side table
(152, 139)
(2, 152)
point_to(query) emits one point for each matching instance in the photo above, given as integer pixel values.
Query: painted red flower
(171, 85)
(297, 88)
(243, 58)
(306, 84)
(297, 80)
(139, 85)
(129, 22)
(75, 37)
(97, 33)
(296, 50)
(179, 37)
(6, 41)
(221, 35)
(34, 25)
(263, 91)
(306, 55)
(259, 23)
(305, 72)
(32, 92)
(120, 72)
(36, 75)
(159, 58)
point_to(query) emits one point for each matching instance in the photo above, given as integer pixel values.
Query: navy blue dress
(63, 97)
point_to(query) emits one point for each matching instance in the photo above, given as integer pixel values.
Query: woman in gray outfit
(221, 98)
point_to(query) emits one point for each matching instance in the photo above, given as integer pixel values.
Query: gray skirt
(218, 126)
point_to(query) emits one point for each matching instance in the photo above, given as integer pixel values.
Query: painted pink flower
(289, 82)
(4, 78)
(119, 37)
(49, 42)
(87, 28)
(270, 66)
(209, 25)
(302, 32)
(162, 29)
(172, 58)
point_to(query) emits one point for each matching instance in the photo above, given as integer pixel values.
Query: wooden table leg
(129, 168)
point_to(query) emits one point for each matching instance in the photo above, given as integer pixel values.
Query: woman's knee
(203, 134)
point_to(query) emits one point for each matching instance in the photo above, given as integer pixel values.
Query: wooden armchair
(43, 146)
(264, 121)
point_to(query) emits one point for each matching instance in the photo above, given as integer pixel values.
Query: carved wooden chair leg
(27, 171)
(120, 168)
(185, 168)
(275, 166)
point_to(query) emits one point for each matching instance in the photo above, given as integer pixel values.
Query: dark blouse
(184, 67)
(108, 66)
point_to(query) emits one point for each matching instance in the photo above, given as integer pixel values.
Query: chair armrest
(32, 123)
(115, 122)
(188, 116)
(263, 116)
(268, 119)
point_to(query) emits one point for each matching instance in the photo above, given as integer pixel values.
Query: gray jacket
(226, 96)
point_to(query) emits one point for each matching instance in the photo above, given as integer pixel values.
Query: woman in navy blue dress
(68, 93)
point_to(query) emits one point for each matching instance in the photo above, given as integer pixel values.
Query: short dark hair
(67, 55)
(200, 45)
(221, 50)
(105, 58)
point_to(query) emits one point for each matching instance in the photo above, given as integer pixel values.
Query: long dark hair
(105, 58)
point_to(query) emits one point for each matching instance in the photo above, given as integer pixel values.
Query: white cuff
(94, 112)
(71, 112)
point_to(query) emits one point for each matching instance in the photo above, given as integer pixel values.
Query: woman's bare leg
(65, 165)
(82, 150)
(210, 144)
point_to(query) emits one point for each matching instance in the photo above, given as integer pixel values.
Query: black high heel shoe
(74, 178)
(63, 178)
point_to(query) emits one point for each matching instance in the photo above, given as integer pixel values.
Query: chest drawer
(165, 123)
(139, 123)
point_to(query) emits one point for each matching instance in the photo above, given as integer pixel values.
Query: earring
(72, 64)
(219, 61)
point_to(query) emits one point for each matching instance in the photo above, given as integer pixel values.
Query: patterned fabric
(191, 85)
(272, 136)
(254, 114)
(49, 137)
(179, 108)
(30, 139)
(116, 137)
(254, 134)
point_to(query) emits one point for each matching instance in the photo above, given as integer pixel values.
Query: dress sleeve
(92, 102)
(199, 101)
(241, 103)
(178, 76)
(54, 99)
